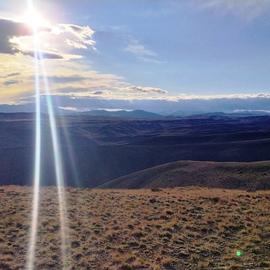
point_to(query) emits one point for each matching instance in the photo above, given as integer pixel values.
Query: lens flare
(37, 174)
(58, 165)
(40, 72)
(239, 253)
(70, 150)
(37, 163)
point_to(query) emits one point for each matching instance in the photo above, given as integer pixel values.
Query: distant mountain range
(113, 109)
(237, 113)
(254, 103)
(138, 114)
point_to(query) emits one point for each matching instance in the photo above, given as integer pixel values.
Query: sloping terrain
(172, 229)
(233, 175)
(97, 150)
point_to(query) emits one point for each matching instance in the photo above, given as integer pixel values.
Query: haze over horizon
(160, 56)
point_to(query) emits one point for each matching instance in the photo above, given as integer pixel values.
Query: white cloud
(142, 53)
(76, 36)
(251, 111)
(147, 90)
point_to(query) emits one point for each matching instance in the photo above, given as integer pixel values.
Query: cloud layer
(68, 78)
(250, 104)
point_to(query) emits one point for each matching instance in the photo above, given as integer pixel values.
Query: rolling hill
(233, 175)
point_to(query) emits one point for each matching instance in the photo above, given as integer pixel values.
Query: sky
(144, 54)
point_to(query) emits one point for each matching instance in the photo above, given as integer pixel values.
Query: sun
(34, 19)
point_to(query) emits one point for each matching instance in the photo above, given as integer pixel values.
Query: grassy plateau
(179, 228)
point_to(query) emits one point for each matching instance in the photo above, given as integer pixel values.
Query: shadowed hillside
(97, 150)
(231, 175)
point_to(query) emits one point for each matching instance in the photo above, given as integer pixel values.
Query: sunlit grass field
(181, 228)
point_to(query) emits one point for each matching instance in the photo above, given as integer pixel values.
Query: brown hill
(233, 175)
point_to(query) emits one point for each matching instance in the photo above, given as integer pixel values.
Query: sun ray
(58, 166)
(37, 163)
(40, 71)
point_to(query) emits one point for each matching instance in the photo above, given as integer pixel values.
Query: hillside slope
(239, 175)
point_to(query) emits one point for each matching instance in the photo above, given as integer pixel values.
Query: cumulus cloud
(79, 37)
(58, 41)
(9, 29)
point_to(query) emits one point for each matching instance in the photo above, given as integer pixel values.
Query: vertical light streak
(40, 71)
(58, 166)
(70, 151)
(37, 163)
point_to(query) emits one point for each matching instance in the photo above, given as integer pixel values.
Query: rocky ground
(181, 228)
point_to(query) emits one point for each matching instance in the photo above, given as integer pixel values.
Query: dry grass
(183, 228)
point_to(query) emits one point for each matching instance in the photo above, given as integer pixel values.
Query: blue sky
(149, 49)
(197, 50)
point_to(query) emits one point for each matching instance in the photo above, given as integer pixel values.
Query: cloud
(148, 90)
(57, 41)
(66, 79)
(251, 111)
(101, 93)
(10, 75)
(75, 79)
(71, 78)
(45, 55)
(80, 37)
(11, 82)
(141, 52)
(9, 29)
(246, 9)
(242, 96)
(106, 86)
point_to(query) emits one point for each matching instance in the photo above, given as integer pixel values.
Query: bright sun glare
(34, 20)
